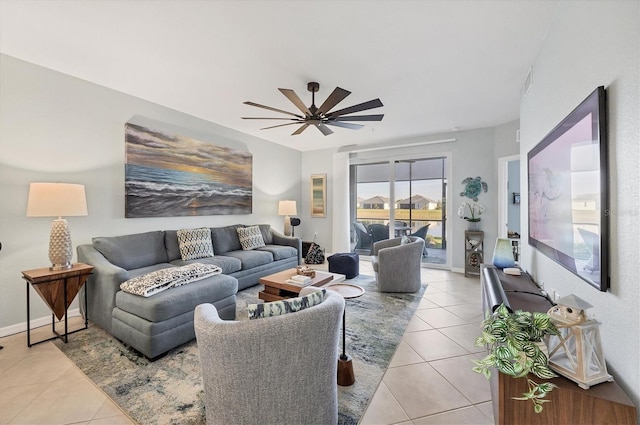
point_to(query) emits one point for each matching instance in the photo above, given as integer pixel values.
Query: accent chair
(397, 265)
(273, 370)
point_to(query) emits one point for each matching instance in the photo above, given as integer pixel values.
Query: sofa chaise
(153, 325)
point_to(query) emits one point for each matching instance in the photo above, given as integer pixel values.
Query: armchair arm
(103, 285)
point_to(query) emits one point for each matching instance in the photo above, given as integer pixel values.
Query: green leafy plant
(514, 343)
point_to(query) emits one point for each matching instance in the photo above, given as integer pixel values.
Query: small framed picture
(516, 198)
(318, 195)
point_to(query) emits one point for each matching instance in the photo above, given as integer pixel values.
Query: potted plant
(516, 348)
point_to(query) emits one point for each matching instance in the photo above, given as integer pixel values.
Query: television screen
(567, 175)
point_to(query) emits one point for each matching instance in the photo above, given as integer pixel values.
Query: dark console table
(604, 403)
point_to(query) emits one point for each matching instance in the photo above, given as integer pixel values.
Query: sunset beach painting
(171, 175)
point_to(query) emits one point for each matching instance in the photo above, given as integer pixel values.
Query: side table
(57, 288)
(346, 376)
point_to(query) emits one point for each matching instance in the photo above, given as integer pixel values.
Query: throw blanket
(160, 280)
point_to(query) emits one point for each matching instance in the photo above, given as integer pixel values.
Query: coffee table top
(279, 280)
(347, 290)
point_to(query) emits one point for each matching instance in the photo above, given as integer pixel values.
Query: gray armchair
(396, 265)
(275, 370)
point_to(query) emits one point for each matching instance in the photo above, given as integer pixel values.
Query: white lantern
(577, 352)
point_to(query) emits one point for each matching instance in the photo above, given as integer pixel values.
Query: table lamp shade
(57, 200)
(503, 254)
(287, 208)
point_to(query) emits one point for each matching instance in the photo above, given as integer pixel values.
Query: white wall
(55, 127)
(591, 44)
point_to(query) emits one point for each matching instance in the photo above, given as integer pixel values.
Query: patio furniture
(377, 232)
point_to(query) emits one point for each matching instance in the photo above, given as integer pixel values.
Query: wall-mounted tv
(568, 207)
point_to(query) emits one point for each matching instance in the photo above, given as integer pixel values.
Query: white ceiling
(436, 65)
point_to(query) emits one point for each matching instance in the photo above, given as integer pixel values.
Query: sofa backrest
(226, 239)
(133, 251)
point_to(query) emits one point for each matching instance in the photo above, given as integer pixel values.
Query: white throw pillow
(195, 243)
(250, 237)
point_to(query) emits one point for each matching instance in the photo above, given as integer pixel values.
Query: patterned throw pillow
(250, 237)
(277, 308)
(195, 243)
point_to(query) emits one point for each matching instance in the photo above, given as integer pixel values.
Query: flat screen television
(567, 184)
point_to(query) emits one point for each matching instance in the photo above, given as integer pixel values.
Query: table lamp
(57, 200)
(287, 208)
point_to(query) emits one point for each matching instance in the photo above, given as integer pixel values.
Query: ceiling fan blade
(267, 118)
(271, 109)
(293, 97)
(302, 128)
(337, 96)
(279, 125)
(324, 129)
(359, 118)
(345, 125)
(376, 103)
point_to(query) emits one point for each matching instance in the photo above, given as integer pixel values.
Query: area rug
(169, 390)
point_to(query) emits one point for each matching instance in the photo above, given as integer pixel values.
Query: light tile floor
(429, 379)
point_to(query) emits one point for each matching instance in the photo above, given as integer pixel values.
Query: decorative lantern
(577, 352)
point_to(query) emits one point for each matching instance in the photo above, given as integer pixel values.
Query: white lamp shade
(56, 200)
(287, 208)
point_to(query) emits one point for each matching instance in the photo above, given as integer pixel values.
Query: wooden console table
(604, 403)
(57, 288)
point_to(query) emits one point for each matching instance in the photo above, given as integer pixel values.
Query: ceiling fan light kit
(320, 117)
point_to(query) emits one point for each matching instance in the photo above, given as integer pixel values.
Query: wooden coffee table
(276, 288)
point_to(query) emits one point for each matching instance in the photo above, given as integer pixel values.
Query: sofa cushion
(280, 252)
(133, 251)
(227, 264)
(267, 236)
(225, 239)
(251, 259)
(278, 308)
(179, 300)
(195, 243)
(250, 237)
(171, 244)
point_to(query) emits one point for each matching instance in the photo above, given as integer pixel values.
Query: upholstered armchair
(274, 370)
(397, 265)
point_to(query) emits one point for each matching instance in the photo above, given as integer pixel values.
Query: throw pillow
(250, 237)
(277, 308)
(195, 243)
(405, 240)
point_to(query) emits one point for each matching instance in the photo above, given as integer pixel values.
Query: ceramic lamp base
(60, 248)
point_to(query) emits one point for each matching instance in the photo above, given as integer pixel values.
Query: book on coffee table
(299, 280)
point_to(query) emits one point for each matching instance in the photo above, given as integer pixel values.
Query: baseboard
(35, 323)
(457, 269)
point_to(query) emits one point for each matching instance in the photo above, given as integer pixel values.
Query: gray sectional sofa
(153, 325)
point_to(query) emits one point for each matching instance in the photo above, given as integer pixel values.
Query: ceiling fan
(321, 117)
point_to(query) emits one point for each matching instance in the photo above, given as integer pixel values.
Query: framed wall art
(318, 195)
(170, 175)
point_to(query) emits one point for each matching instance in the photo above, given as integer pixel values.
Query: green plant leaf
(537, 408)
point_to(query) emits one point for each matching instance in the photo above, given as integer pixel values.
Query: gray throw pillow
(405, 240)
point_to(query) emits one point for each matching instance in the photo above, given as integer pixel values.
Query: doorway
(509, 194)
(401, 197)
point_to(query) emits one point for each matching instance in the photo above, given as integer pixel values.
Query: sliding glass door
(400, 197)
